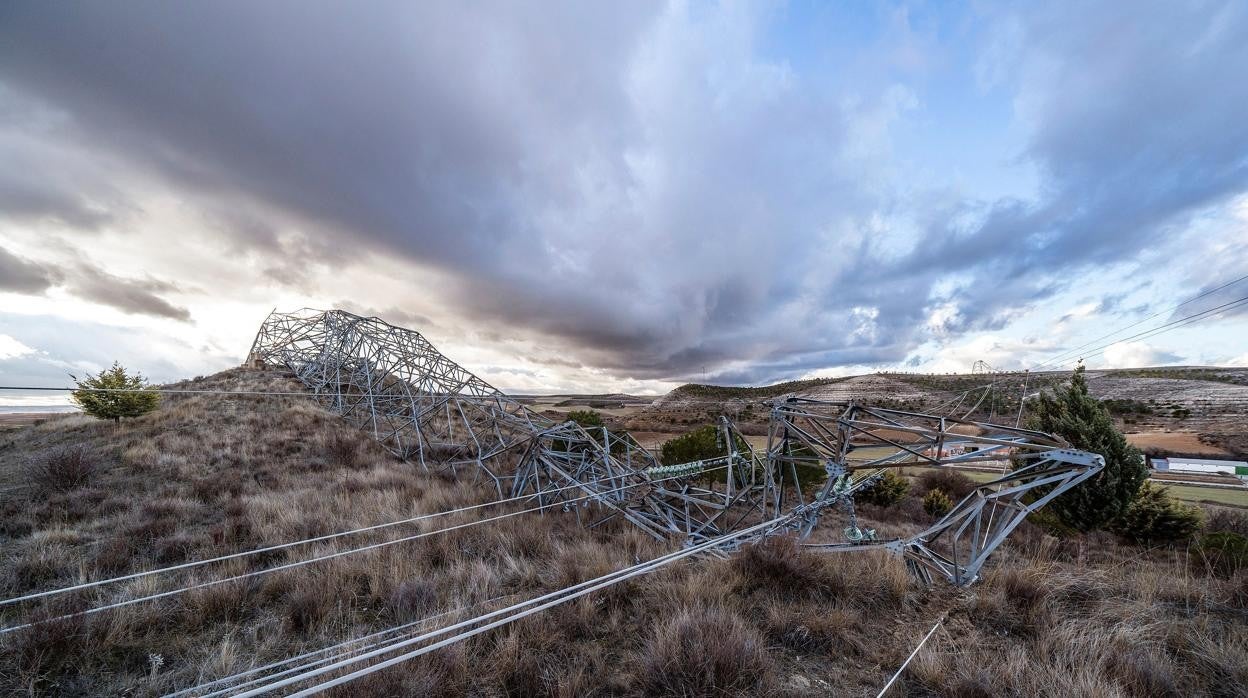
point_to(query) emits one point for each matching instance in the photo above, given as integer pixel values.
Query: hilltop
(208, 475)
(694, 392)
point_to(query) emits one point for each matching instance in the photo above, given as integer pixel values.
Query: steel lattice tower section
(848, 439)
(391, 381)
(426, 408)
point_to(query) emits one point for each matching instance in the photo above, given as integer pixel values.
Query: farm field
(1187, 443)
(1191, 493)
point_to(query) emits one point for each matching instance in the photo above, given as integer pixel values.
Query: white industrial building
(1201, 465)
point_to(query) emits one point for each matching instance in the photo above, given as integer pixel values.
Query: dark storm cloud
(135, 296)
(637, 187)
(22, 198)
(42, 179)
(24, 276)
(394, 315)
(418, 126)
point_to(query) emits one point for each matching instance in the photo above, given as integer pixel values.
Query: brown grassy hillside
(207, 475)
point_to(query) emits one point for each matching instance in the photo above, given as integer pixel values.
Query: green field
(1218, 495)
(1233, 498)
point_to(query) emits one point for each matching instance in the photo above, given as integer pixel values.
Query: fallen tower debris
(429, 410)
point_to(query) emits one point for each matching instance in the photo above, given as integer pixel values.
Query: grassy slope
(205, 476)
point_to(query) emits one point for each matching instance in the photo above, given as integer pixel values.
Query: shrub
(1156, 517)
(592, 422)
(1082, 420)
(305, 608)
(953, 483)
(700, 444)
(703, 653)
(62, 469)
(887, 491)
(586, 418)
(1224, 553)
(936, 503)
(121, 394)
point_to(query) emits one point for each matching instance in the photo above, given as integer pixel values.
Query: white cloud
(1135, 355)
(10, 348)
(1238, 361)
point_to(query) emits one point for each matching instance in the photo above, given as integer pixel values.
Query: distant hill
(1205, 403)
(703, 392)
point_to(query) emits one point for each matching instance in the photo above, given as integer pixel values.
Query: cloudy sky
(623, 196)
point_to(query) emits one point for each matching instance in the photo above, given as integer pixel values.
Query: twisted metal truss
(847, 438)
(427, 409)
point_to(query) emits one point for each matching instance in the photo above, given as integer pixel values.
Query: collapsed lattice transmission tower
(429, 410)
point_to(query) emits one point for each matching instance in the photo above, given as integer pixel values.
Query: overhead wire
(1162, 329)
(1053, 363)
(317, 539)
(330, 556)
(330, 652)
(906, 663)
(516, 611)
(169, 391)
(1150, 317)
(960, 397)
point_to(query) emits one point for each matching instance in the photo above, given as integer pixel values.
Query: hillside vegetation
(699, 391)
(206, 475)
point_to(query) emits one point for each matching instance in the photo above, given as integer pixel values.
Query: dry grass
(204, 476)
(60, 469)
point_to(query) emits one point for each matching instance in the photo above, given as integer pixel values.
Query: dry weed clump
(776, 568)
(1224, 520)
(706, 652)
(61, 469)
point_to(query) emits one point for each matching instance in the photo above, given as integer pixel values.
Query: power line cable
(1022, 399)
(1152, 316)
(339, 649)
(516, 611)
(317, 539)
(170, 391)
(330, 556)
(1168, 327)
(1065, 353)
(911, 657)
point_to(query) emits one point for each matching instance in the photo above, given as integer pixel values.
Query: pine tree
(937, 503)
(1156, 517)
(700, 444)
(885, 492)
(98, 399)
(1079, 418)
